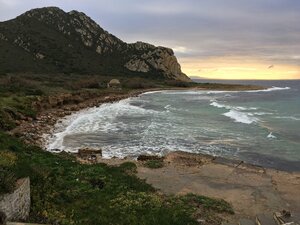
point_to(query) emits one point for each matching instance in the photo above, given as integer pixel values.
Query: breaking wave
(237, 113)
(288, 117)
(97, 119)
(270, 89)
(241, 117)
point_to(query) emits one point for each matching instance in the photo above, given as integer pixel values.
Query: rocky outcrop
(149, 57)
(72, 42)
(16, 205)
(138, 65)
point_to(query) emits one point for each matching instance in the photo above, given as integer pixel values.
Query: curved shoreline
(249, 188)
(37, 132)
(33, 132)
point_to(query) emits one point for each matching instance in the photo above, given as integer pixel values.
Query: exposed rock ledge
(149, 57)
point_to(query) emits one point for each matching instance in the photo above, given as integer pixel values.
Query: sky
(223, 39)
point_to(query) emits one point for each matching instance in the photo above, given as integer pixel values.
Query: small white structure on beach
(114, 83)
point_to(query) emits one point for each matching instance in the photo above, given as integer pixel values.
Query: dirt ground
(251, 190)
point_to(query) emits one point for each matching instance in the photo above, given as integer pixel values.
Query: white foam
(167, 107)
(270, 135)
(218, 105)
(269, 89)
(237, 112)
(92, 120)
(152, 92)
(262, 113)
(190, 92)
(198, 92)
(288, 117)
(241, 117)
(218, 92)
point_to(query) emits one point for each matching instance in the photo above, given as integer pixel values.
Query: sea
(260, 127)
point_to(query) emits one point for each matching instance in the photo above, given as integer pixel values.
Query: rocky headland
(49, 40)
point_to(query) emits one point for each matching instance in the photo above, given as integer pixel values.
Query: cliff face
(51, 40)
(149, 57)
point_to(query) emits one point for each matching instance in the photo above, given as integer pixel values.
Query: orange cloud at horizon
(239, 68)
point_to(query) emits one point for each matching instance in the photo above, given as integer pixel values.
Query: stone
(39, 56)
(114, 83)
(137, 65)
(3, 218)
(16, 205)
(149, 157)
(92, 155)
(155, 58)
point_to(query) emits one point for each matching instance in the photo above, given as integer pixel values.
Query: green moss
(154, 164)
(7, 158)
(216, 205)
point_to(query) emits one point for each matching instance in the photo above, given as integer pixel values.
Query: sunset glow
(230, 68)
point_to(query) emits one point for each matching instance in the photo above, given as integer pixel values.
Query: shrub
(138, 83)
(154, 164)
(128, 167)
(217, 205)
(7, 159)
(7, 180)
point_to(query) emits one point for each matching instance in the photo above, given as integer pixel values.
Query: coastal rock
(90, 155)
(73, 42)
(149, 157)
(137, 65)
(149, 57)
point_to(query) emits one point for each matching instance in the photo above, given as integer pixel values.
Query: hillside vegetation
(45, 53)
(49, 40)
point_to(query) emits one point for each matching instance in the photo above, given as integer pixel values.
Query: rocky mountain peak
(72, 41)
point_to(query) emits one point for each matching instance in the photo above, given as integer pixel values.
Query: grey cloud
(266, 29)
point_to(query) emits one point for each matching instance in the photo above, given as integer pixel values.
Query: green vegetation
(217, 205)
(154, 164)
(66, 192)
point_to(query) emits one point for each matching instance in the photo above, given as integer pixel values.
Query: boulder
(149, 157)
(89, 154)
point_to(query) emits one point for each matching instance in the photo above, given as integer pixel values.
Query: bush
(88, 82)
(7, 181)
(217, 205)
(154, 164)
(128, 167)
(7, 159)
(138, 83)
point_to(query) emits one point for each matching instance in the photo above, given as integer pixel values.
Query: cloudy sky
(227, 39)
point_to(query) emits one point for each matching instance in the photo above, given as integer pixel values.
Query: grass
(66, 192)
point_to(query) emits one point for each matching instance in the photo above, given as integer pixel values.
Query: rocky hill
(49, 40)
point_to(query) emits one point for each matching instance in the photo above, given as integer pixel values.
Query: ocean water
(259, 127)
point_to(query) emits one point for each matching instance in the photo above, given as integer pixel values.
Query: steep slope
(49, 40)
